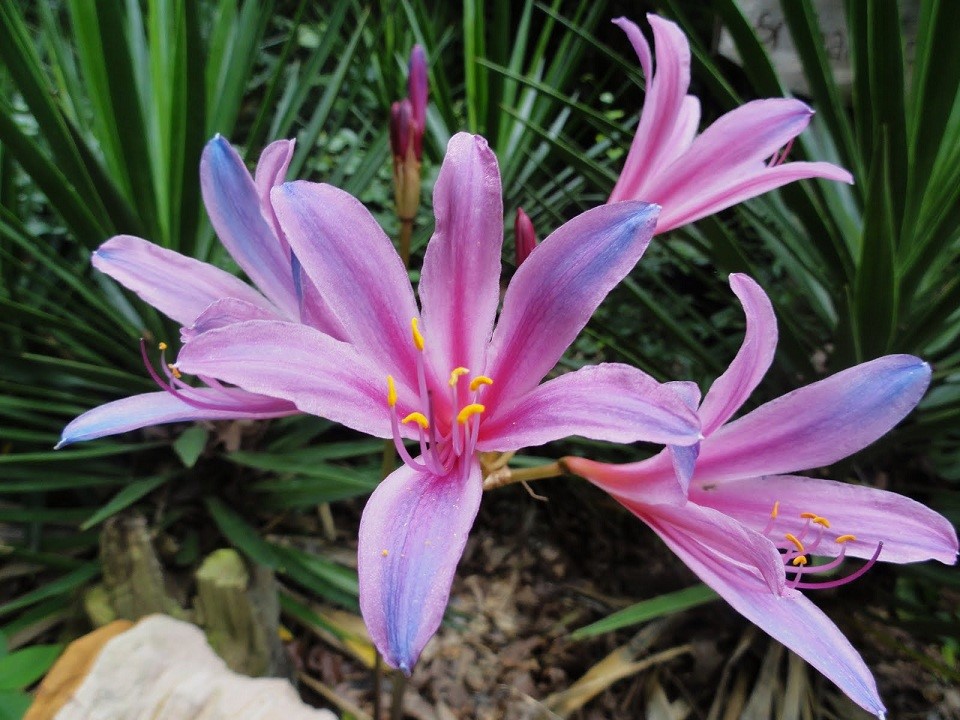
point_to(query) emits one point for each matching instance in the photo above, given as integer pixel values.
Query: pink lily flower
(201, 296)
(746, 526)
(442, 375)
(738, 157)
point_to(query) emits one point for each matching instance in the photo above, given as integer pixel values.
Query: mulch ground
(535, 571)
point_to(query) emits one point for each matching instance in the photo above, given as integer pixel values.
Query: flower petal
(652, 482)
(272, 171)
(726, 163)
(178, 286)
(700, 535)
(320, 375)
(910, 531)
(221, 313)
(233, 204)
(817, 424)
(730, 390)
(788, 617)
(556, 290)
(412, 534)
(460, 281)
(662, 105)
(361, 277)
(611, 402)
(157, 408)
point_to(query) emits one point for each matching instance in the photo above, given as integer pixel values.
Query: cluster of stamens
(794, 549)
(175, 385)
(439, 449)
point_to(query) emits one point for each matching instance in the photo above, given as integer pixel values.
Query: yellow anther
(162, 346)
(419, 418)
(469, 411)
(391, 391)
(478, 381)
(284, 634)
(384, 552)
(175, 370)
(455, 375)
(795, 540)
(808, 515)
(776, 509)
(800, 560)
(845, 538)
(417, 337)
(821, 521)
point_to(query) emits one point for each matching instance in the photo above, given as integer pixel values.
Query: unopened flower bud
(525, 237)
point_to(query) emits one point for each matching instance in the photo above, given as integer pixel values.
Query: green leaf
(243, 537)
(124, 499)
(190, 444)
(660, 606)
(61, 586)
(21, 669)
(877, 290)
(14, 705)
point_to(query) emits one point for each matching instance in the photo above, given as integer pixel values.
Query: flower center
(439, 450)
(795, 549)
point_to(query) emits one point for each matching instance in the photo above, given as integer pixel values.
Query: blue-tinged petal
(412, 534)
(610, 401)
(221, 313)
(233, 204)
(178, 286)
(787, 616)
(817, 424)
(557, 289)
(157, 408)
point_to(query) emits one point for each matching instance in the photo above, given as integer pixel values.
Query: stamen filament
(843, 581)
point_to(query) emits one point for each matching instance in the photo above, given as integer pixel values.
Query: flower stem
(406, 230)
(507, 476)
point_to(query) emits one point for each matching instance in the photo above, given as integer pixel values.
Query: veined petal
(610, 402)
(272, 171)
(460, 279)
(346, 253)
(700, 535)
(817, 424)
(221, 313)
(730, 390)
(320, 375)
(726, 163)
(651, 482)
(556, 290)
(666, 90)
(157, 408)
(233, 204)
(788, 617)
(910, 531)
(412, 534)
(750, 183)
(178, 286)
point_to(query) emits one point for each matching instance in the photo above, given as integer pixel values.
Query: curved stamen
(773, 518)
(180, 395)
(842, 581)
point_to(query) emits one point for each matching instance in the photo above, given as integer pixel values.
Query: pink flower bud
(401, 122)
(525, 236)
